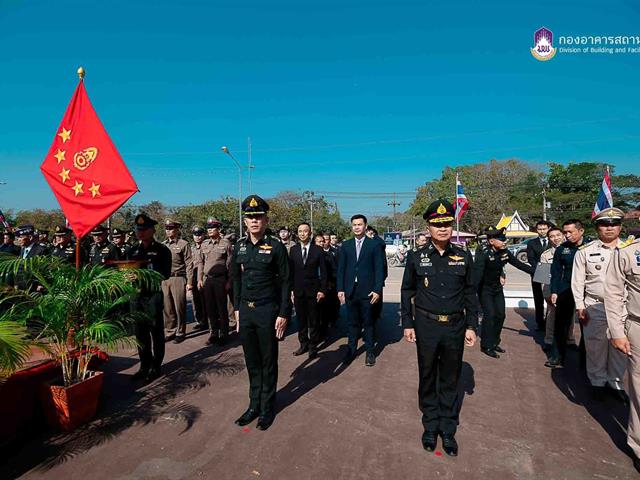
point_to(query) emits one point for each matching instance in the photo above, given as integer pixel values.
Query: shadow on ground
(124, 405)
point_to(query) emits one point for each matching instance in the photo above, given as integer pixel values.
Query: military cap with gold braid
(254, 205)
(143, 221)
(440, 211)
(497, 233)
(609, 216)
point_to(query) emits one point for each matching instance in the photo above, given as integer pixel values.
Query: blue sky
(335, 95)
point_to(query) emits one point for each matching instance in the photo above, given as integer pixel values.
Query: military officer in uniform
(197, 298)
(213, 279)
(101, 249)
(439, 277)
(488, 270)
(118, 239)
(284, 235)
(43, 241)
(561, 295)
(622, 308)
(150, 334)
(605, 365)
(174, 288)
(64, 246)
(260, 273)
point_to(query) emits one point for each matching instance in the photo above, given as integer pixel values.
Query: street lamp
(226, 150)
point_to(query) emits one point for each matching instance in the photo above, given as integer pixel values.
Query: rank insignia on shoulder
(456, 258)
(628, 242)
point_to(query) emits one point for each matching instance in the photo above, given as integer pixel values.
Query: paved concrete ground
(519, 420)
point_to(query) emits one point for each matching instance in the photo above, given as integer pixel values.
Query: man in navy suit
(535, 247)
(359, 283)
(309, 282)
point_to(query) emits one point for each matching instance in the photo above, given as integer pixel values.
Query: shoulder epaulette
(585, 245)
(629, 241)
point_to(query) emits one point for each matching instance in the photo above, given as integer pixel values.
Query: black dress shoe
(370, 359)
(619, 395)
(179, 339)
(265, 421)
(212, 340)
(499, 349)
(598, 393)
(140, 374)
(449, 444)
(153, 374)
(300, 351)
(490, 352)
(198, 326)
(168, 338)
(429, 440)
(313, 353)
(553, 363)
(247, 417)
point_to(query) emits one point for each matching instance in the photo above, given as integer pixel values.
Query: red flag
(84, 169)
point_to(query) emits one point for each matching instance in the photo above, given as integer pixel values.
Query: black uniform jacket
(440, 284)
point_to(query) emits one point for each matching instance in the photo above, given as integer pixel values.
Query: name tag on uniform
(426, 263)
(265, 252)
(456, 263)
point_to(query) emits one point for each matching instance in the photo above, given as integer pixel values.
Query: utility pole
(251, 167)
(394, 204)
(544, 204)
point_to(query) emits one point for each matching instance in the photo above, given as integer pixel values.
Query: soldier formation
(255, 283)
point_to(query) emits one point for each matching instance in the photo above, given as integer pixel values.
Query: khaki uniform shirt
(181, 261)
(623, 282)
(589, 270)
(196, 256)
(215, 258)
(547, 255)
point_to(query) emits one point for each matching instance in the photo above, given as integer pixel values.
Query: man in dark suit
(309, 283)
(359, 282)
(29, 249)
(535, 247)
(372, 233)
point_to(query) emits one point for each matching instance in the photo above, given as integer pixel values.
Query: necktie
(358, 247)
(304, 255)
(544, 244)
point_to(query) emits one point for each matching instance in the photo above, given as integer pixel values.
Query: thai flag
(4, 221)
(461, 200)
(605, 200)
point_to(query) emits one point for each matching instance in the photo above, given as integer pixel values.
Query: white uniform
(605, 364)
(622, 304)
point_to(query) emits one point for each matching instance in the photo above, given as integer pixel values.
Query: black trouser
(215, 300)
(308, 315)
(150, 332)
(361, 318)
(197, 302)
(377, 308)
(440, 347)
(565, 312)
(260, 345)
(538, 301)
(493, 315)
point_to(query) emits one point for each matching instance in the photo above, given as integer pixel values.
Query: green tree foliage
(492, 188)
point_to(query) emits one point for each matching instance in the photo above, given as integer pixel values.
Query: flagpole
(457, 213)
(81, 74)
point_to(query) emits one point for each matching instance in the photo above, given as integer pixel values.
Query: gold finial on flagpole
(81, 73)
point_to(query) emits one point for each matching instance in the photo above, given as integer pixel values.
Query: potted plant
(77, 313)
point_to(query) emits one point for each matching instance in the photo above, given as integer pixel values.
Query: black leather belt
(446, 318)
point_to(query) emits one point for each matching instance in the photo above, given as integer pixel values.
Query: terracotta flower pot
(67, 408)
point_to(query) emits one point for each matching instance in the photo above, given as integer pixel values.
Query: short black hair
(318, 235)
(543, 222)
(358, 216)
(553, 228)
(304, 223)
(574, 221)
(371, 229)
(10, 234)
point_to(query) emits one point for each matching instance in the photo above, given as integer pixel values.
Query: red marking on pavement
(246, 429)
(438, 454)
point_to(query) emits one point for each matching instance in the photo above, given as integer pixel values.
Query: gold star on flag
(60, 155)
(95, 190)
(77, 188)
(64, 174)
(65, 134)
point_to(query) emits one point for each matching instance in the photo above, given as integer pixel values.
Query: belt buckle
(251, 304)
(443, 318)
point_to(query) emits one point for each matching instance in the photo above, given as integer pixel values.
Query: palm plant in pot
(77, 313)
